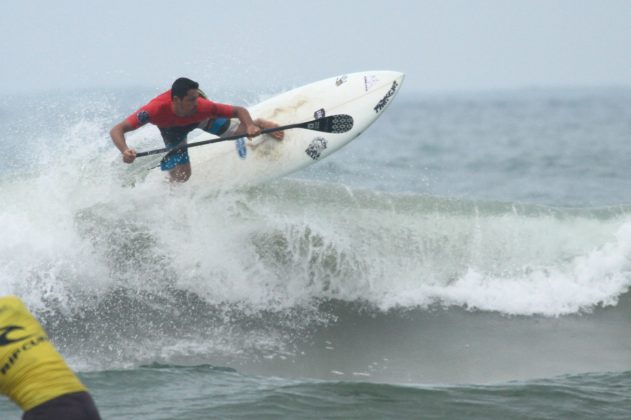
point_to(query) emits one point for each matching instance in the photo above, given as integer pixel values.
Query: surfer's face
(187, 105)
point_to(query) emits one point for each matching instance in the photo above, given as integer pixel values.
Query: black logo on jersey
(4, 331)
(27, 342)
(142, 117)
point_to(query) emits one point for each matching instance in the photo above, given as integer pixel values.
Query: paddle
(340, 123)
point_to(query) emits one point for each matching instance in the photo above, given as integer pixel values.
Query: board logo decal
(370, 81)
(241, 149)
(384, 101)
(320, 113)
(316, 147)
(341, 80)
(142, 117)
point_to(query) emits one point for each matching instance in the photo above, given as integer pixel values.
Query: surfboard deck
(364, 96)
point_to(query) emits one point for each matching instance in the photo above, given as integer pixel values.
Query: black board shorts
(75, 406)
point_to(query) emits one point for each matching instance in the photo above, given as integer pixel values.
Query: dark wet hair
(181, 87)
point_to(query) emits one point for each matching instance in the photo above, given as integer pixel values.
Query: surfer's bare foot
(278, 135)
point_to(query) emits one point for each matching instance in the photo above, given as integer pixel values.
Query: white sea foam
(73, 228)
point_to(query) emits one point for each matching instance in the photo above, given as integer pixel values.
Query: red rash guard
(160, 112)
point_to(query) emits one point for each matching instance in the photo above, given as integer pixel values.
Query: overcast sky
(440, 45)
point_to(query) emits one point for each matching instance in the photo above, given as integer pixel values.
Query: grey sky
(440, 45)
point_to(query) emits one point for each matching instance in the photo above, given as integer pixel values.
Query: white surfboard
(364, 96)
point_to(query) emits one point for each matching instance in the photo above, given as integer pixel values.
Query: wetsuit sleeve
(211, 109)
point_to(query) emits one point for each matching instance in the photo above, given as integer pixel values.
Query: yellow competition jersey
(31, 370)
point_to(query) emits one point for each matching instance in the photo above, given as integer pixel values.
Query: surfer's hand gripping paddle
(340, 123)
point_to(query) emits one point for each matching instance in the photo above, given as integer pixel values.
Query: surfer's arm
(118, 137)
(251, 129)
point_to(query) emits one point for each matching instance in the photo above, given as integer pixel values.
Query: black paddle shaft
(336, 124)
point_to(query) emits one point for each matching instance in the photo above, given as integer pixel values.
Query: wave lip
(419, 251)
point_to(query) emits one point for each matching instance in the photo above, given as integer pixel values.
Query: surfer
(179, 111)
(33, 374)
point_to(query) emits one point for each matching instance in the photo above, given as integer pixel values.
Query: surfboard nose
(394, 76)
(384, 84)
(388, 78)
(398, 76)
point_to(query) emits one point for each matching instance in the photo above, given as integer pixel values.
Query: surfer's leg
(216, 126)
(181, 173)
(234, 127)
(228, 127)
(178, 165)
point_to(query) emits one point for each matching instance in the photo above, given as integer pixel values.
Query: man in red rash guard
(178, 112)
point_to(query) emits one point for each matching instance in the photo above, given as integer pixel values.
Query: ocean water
(468, 256)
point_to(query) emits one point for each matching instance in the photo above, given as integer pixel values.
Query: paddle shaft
(321, 124)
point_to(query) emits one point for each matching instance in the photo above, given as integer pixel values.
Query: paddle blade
(333, 124)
